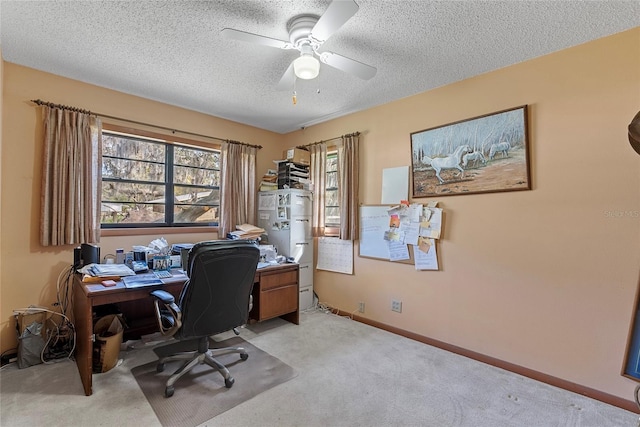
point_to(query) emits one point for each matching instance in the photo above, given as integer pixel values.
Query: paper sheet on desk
(266, 264)
(141, 280)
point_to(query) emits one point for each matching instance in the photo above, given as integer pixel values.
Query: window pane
(195, 214)
(332, 216)
(196, 195)
(332, 180)
(196, 204)
(114, 191)
(131, 148)
(123, 213)
(193, 176)
(196, 158)
(331, 198)
(132, 169)
(332, 162)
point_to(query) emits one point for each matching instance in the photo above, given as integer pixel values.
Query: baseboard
(607, 398)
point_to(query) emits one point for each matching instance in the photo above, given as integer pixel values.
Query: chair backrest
(215, 299)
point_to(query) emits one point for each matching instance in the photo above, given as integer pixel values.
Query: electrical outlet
(361, 307)
(396, 305)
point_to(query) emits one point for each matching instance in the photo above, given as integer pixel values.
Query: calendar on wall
(335, 255)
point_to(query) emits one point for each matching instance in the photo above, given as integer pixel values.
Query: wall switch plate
(396, 305)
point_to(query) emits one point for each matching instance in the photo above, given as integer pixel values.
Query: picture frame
(484, 154)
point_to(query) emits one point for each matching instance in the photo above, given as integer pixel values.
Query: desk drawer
(276, 302)
(271, 281)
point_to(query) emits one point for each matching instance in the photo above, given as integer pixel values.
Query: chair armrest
(168, 313)
(163, 296)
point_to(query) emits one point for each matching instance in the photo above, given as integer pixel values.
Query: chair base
(198, 357)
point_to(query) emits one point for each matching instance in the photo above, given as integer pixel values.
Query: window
(332, 206)
(149, 182)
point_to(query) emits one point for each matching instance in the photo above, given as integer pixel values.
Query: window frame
(168, 226)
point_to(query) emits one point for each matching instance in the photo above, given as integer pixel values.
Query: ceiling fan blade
(348, 65)
(288, 79)
(336, 15)
(254, 38)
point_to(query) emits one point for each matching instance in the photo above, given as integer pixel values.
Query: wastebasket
(106, 348)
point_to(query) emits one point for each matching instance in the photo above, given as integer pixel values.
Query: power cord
(60, 338)
(325, 308)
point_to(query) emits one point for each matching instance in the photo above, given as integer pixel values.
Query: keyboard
(163, 274)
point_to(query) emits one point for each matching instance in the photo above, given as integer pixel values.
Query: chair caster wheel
(244, 356)
(168, 392)
(228, 382)
(160, 367)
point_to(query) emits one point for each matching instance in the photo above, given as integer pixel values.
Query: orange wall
(543, 278)
(33, 272)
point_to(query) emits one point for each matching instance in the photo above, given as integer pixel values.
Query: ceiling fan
(307, 33)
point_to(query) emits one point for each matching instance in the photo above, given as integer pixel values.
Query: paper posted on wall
(425, 255)
(431, 225)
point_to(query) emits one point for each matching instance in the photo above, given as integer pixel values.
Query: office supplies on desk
(139, 266)
(176, 248)
(162, 274)
(110, 270)
(266, 264)
(141, 280)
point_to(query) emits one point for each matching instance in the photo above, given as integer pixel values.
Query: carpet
(200, 394)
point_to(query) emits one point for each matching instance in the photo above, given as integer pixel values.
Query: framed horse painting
(484, 154)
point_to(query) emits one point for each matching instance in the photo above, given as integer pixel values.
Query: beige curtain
(318, 178)
(237, 186)
(71, 187)
(348, 188)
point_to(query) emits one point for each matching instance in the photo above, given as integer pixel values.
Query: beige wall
(543, 278)
(31, 271)
(1, 152)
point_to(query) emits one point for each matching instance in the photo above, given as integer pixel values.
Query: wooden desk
(275, 293)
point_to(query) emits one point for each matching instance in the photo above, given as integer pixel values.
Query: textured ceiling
(172, 51)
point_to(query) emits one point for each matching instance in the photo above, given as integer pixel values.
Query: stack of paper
(141, 280)
(96, 273)
(246, 231)
(109, 270)
(269, 181)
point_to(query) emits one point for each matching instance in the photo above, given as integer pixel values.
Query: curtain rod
(106, 116)
(330, 139)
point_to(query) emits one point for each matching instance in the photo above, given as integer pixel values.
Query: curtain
(237, 186)
(348, 188)
(71, 178)
(318, 177)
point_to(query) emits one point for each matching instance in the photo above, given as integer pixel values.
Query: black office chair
(215, 299)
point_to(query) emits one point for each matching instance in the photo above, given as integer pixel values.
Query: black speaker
(86, 254)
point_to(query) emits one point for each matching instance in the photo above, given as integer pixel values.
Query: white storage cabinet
(287, 222)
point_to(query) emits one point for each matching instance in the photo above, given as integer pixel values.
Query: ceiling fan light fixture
(306, 67)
